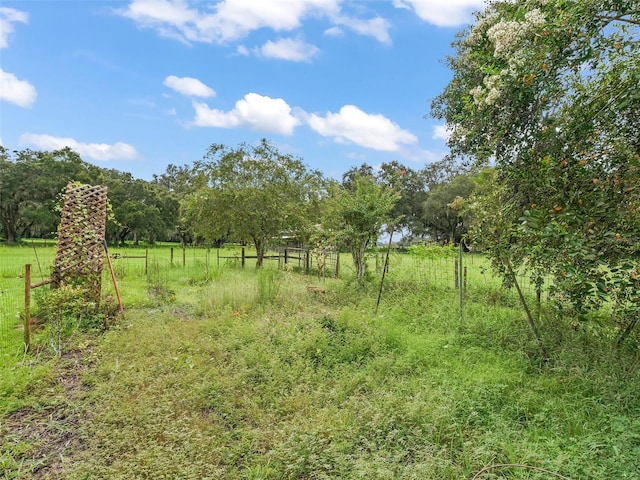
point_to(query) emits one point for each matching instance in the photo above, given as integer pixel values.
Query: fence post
(286, 255)
(337, 263)
(242, 257)
(172, 256)
(27, 307)
(465, 279)
(456, 274)
(208, 257)
(461, 292)
(146, 261)
(184, 256)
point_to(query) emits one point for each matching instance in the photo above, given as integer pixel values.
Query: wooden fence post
(184, 256)
(242, 257)
(146, 261)
(27, 307)
(172, 256)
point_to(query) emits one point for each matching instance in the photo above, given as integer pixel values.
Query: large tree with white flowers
(549, 91)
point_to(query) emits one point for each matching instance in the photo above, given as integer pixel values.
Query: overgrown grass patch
(252, 375)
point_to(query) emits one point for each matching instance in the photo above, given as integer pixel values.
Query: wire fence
(471, 276)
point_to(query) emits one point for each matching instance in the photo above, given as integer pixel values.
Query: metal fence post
(27, 307)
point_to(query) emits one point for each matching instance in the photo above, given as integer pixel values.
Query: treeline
(164, 208)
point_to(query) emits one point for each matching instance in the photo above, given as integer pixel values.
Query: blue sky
(141, 84)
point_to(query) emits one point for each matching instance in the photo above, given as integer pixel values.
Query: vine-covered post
(81, 239)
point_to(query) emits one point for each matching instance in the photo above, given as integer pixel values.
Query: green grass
(239, 374)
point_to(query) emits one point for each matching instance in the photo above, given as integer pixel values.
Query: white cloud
(12, 89)
(443, 13)
(367, 130)
(97, 151)
(189, 86)
(260, 113)
(242, 50)
(334, 32)
(9, 16)
(232, 20)
(16, 91)
(442, 132)
(294, 50)
(377, 28)
(227, 20)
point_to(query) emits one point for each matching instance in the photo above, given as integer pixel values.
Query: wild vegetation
(252, 375)
(220, 372)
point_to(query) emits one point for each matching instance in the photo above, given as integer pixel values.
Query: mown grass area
(244, 374)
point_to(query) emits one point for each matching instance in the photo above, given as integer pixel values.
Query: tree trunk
(11, 237)
(123, 234)
(9, 227)
(259, 244)
(358, 251)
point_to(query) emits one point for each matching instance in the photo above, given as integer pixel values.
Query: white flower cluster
(490, 93)
(480, 28)
(507, 36)
(535, 18)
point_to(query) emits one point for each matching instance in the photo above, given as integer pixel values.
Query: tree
(411, 186)
(30, 182)
(549, 91)
(356, 215)
(443, 215)
(178, 182)
(141, 209)
(255, 193)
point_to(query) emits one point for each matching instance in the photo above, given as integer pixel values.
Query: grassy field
(243, 374)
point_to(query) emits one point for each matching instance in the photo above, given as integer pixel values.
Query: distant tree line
(247, 193)
(31, 183)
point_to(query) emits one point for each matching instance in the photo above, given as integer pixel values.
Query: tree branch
(623, 17)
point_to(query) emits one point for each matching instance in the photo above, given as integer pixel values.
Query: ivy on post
(81, 235)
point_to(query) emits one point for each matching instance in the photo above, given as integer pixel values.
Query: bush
(65, 310)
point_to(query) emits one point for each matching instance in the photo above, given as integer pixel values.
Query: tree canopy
(254, 194)
(356, 213)
(549, 91)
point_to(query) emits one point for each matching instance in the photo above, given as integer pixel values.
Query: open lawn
(243, 374)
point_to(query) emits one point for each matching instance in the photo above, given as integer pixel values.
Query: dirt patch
(45, 438)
